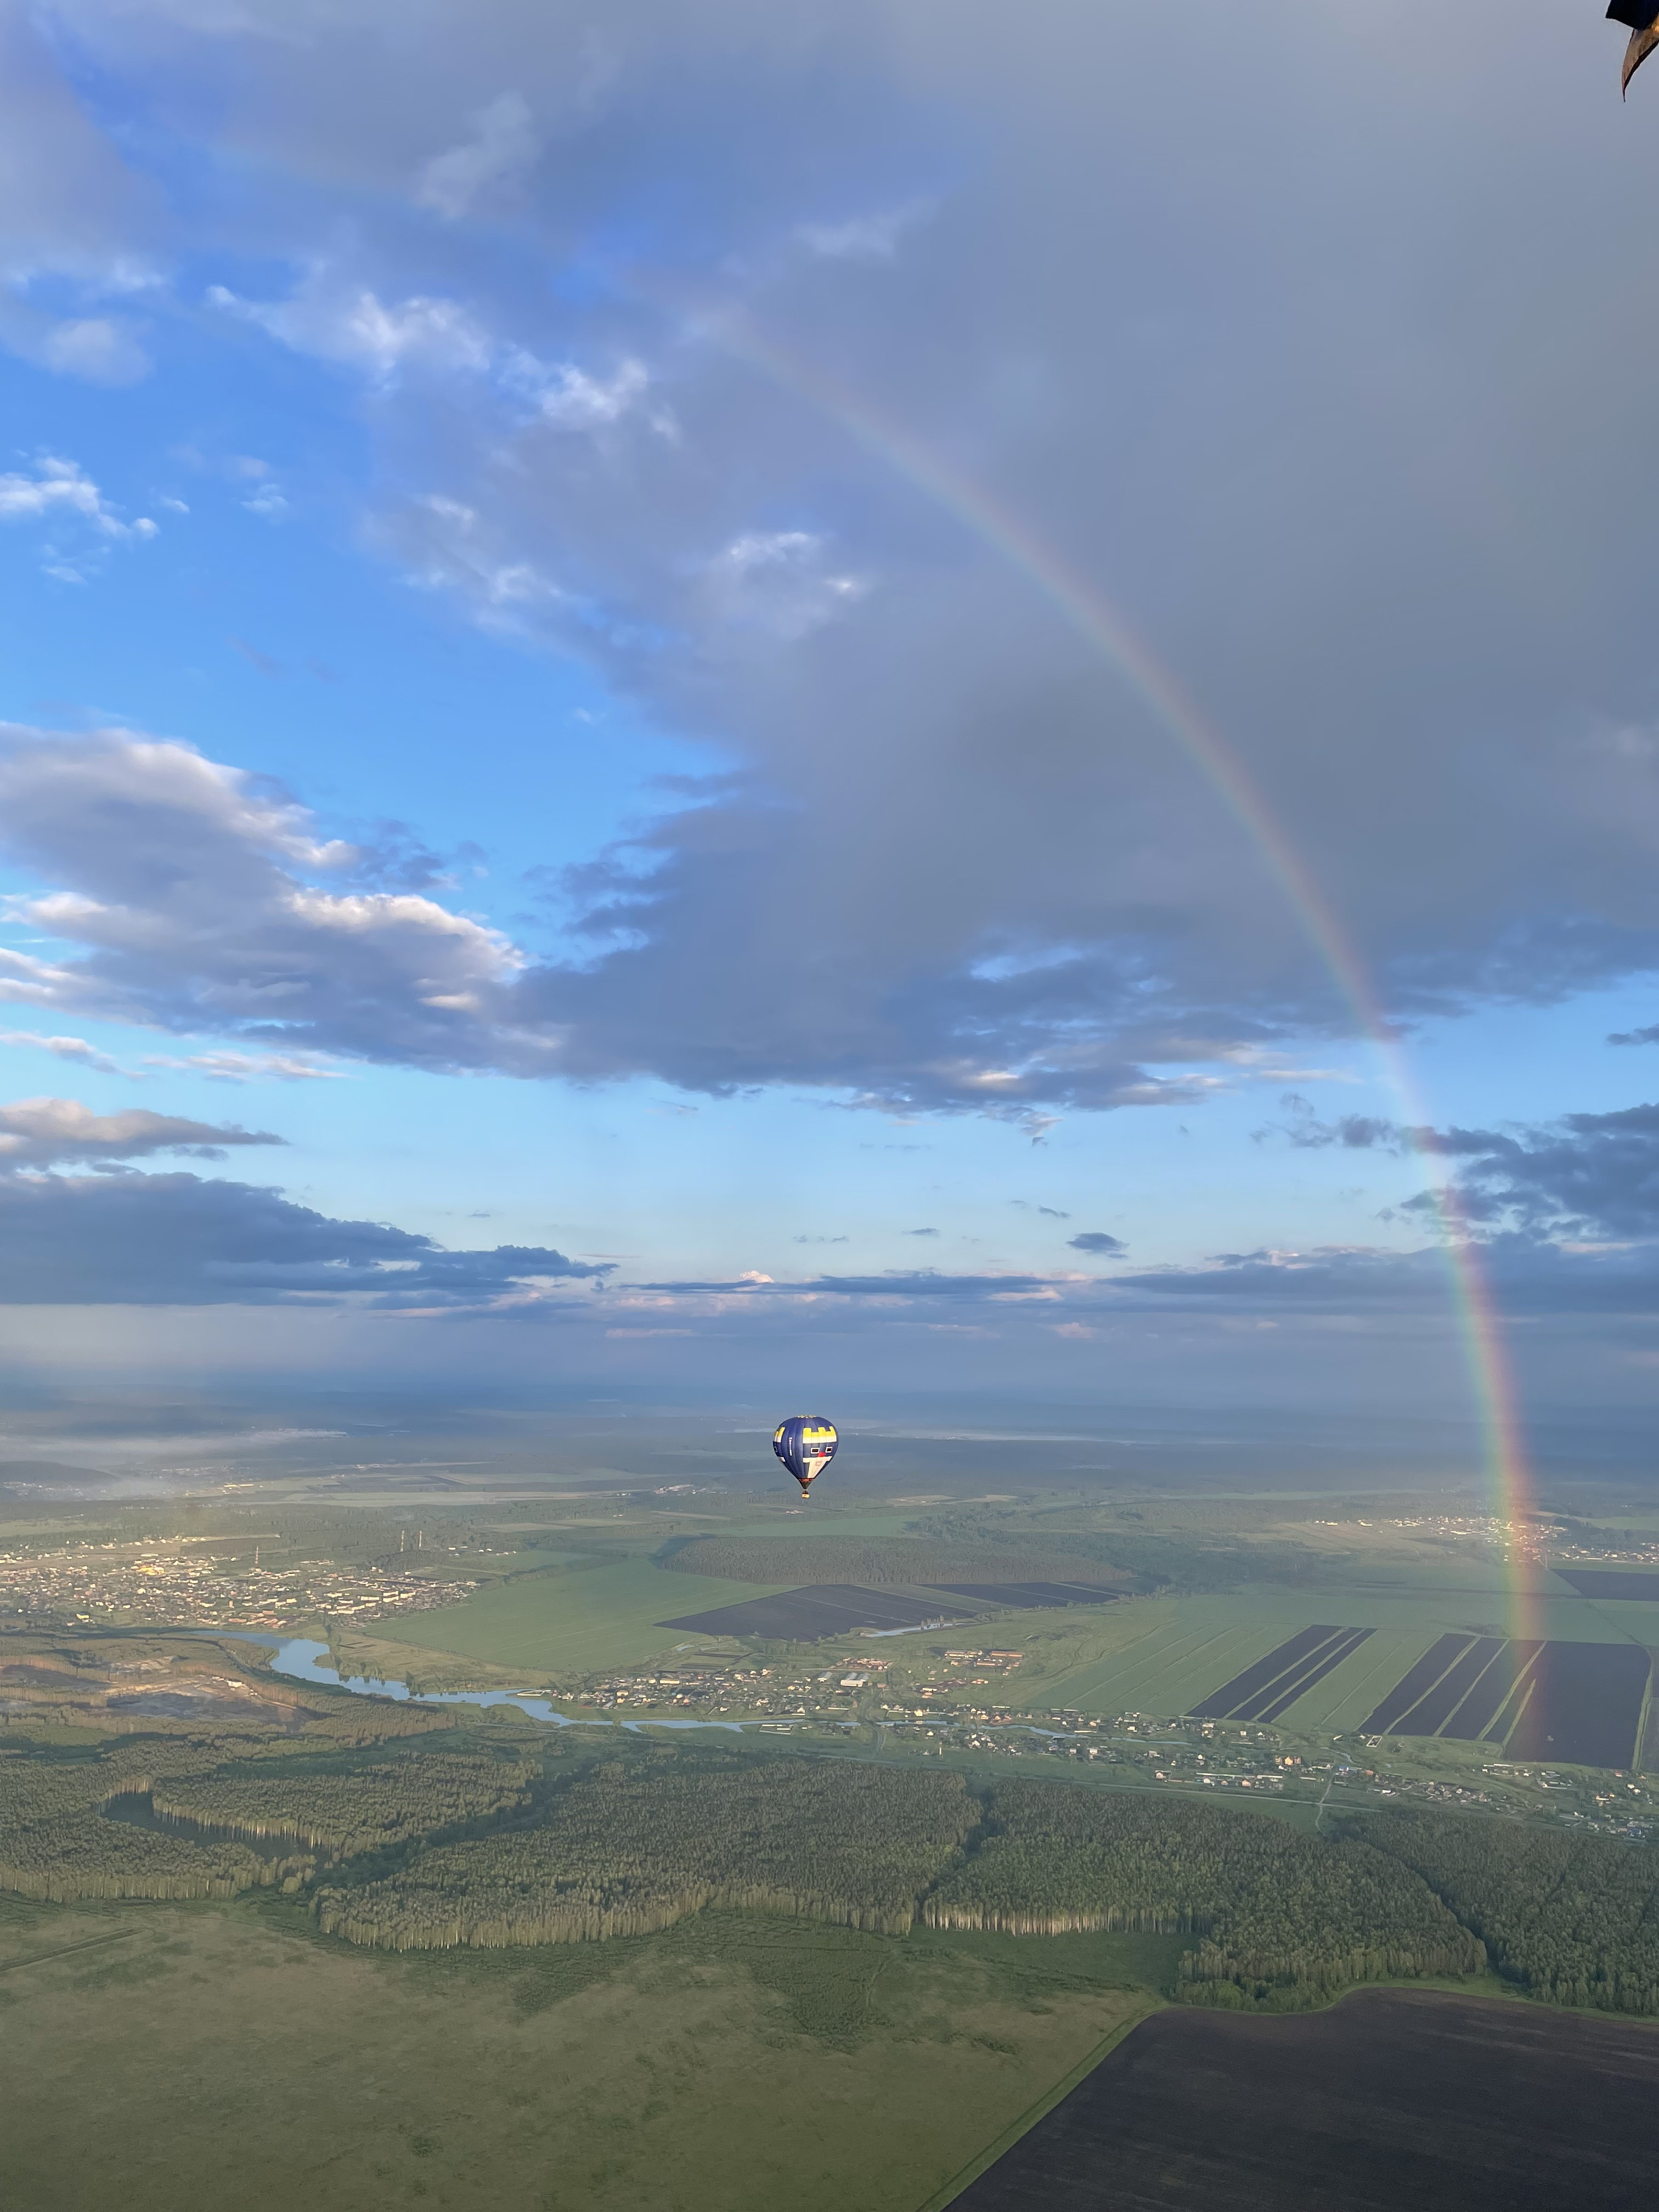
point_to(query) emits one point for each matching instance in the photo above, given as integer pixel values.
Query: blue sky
(499, 713)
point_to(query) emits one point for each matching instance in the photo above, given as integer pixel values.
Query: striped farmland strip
(1480, 1708)
(1221, 1704)
(1429, 1715)
(1328, 1661)
(1416, 1682)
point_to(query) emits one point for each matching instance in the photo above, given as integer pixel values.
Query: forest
(361, 1811)
(421, 1836)
(54, 1843)
(628, 1849)
(1574, 1919)
(1282, 1918)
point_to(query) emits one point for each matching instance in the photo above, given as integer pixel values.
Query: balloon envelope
(806, 1442)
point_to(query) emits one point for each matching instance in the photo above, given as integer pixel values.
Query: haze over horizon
(597, 790)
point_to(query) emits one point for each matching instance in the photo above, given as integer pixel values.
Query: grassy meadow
(572, 1623)
(727, 2065)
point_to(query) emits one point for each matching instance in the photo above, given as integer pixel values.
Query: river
(298, 1657)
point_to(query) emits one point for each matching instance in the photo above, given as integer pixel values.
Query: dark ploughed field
(1579, 1703)
(1392, 2098)
(1607, 1582)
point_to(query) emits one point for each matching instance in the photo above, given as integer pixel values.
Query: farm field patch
(1174, 1652)
(1265, 1690)
(1341, 1701)
(1586, 1705)
(820, 1609)
(1029, 1597)
(1167, 1655)
(1600, 1583)
(1443, 2103)
(1581, 1703)
(571, 1623)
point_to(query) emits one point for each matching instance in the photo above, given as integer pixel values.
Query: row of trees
(1572, 1918)
(623, 1851)
(1283, 1917)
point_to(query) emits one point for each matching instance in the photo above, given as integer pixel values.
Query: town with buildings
(176, 1584)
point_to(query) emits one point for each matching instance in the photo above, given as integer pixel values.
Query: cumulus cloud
(572, 399)
(1095, 1240)
(195, 898)
(179, 1240)
(35, 1132)
(502, 146)
(777, 581)
(350, 325)
(58, 487)
(83, 524)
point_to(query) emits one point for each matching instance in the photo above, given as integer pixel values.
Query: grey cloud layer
(1195, 308)
(179, 1240)
(1588, 1174)
(124, 1237)
(1582, 1175)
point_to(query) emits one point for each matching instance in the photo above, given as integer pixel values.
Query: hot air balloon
(1640, 18)
(806, 1442)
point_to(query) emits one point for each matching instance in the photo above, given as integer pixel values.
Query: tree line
(1282, 1918)
(623, 1851)
(1575, 1919)
(55, 1843)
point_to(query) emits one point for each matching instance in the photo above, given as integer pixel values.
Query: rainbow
(1104, 629)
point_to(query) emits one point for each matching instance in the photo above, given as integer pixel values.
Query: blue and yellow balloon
(806, 1442)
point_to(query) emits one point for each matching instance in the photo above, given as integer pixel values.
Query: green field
(572, 1623)
(159, 2056)
(1164, 1655)
(794, 1521)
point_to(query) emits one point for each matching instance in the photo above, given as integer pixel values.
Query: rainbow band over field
(1103, 626)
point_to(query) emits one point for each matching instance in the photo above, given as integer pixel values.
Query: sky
(830, 697)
